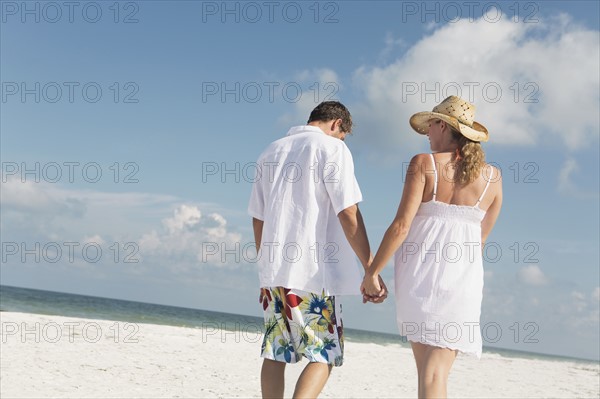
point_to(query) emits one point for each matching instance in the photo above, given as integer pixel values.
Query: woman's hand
(373, 289)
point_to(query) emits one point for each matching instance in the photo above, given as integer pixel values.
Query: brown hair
(331, 110)
(469, 158)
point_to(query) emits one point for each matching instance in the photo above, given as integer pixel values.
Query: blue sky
(186, 91)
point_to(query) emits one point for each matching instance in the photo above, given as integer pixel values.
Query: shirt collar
(304, 129)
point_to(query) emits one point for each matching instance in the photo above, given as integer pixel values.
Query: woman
(450, 202)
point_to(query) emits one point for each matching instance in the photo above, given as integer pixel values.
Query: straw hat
(455, 111)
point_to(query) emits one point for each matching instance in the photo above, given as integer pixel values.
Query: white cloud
(322, 75)
(532, 275)
(185, 217)
(54, 199)
(565, 183)
(189, 239)
(46, 212)
(95, 239)
(537, 57)
(578, 295)
(391, 44)
(535, 301)
(40, 198)
(596, 295)
(319, 84)
(579, 301)
(557, 309)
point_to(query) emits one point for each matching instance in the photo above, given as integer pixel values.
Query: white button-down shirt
(304, 180)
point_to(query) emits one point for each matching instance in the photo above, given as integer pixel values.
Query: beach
(56, 356)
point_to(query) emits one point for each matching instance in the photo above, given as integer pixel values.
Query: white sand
(58, 359)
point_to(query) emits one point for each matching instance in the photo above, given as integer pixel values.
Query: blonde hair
(469, 158)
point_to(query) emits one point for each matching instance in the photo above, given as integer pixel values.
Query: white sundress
(439, 276)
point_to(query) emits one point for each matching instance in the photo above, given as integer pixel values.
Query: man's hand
(373, 289)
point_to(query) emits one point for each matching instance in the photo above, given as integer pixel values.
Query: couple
(307, 228)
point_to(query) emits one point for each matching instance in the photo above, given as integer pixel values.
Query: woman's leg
(419, 353)
(433, 366)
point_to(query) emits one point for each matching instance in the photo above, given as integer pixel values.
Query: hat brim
(420, 123)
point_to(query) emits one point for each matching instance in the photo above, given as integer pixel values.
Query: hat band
(463, 122)
(466, 123)
(460, 120)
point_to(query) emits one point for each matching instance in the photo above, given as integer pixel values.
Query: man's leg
(272, 381)
(312, 380)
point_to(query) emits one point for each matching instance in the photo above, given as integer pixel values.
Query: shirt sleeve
(339, 179)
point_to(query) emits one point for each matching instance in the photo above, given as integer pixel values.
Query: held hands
(373, 289)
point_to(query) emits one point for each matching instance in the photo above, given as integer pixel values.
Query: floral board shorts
(300, 323)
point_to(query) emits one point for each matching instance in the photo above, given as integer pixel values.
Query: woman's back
(449, 191)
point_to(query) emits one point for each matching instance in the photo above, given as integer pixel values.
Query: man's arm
(257, 225)
(356, 234)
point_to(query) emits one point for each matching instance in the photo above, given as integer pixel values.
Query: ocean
(26, 300)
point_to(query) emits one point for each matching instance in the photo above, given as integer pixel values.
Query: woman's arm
(412, 196)
(491, 215)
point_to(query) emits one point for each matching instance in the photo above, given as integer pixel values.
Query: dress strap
(435, 177)
(486, 187)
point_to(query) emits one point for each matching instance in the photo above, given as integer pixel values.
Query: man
(306, 225)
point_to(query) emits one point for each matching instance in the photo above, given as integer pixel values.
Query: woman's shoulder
(493, 175)
(420, 163)
(421, 158)
(491, 172)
